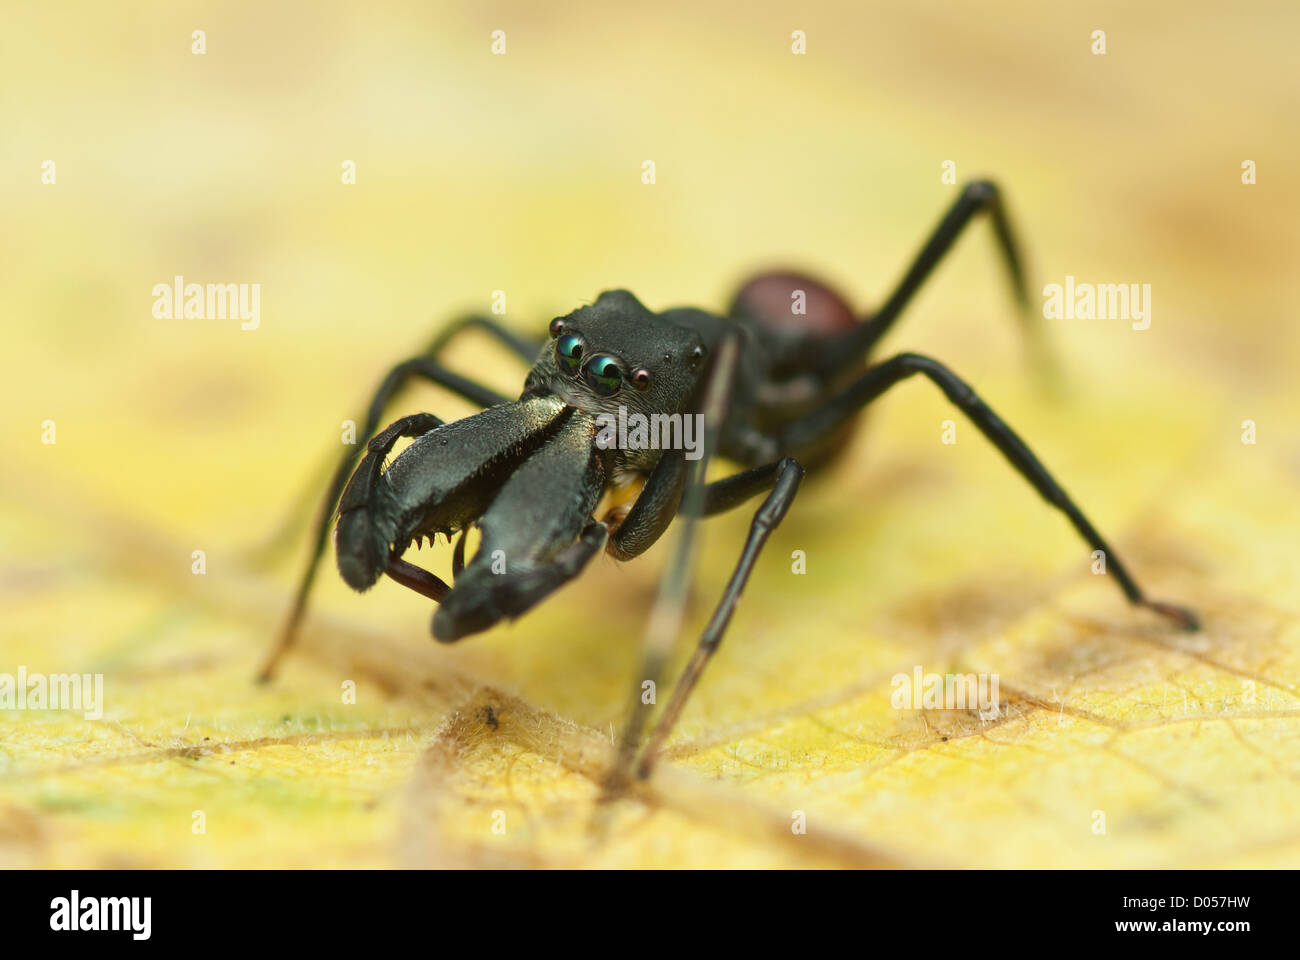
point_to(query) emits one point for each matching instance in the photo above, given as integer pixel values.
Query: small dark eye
(641, 378)
(568, 352)
(603, 375)
(557, 327)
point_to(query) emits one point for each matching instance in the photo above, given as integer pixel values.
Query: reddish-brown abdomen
(801, 313)
(789, 302)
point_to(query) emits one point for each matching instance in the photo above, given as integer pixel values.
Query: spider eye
(603, 375)
(568, 352)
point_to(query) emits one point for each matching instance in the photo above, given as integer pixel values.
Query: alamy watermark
(129, 914)
(656, 431)
(947, 691)
(53, 691)
(1098, 301)
(179, 300)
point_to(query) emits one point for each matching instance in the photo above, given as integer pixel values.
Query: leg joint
(981, 191)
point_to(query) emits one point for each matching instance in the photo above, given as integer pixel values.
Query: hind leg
(979, 196)
(881, 377)
(826, 336)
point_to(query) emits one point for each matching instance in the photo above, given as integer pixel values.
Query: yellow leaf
(1117, 743)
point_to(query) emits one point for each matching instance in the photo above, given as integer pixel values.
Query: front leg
(782, 479)
(666, 615)
(525, 349)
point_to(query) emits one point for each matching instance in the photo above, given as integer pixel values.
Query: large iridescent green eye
(603, 375)
(568, 352)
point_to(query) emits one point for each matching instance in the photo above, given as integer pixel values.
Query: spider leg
(421, 367)
(782, 479)
(979, 196)
(643, 525)
(522, 347)
(881, 377)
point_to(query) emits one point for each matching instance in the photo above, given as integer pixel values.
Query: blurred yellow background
(523, 172)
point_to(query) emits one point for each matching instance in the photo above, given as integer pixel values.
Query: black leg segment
(525, 349)
(980, 196)
(782, 478)
(880, 378)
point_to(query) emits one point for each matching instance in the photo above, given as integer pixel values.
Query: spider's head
(616, 353)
